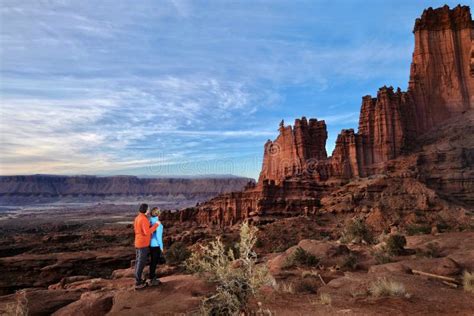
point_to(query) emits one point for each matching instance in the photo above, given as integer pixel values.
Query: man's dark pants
(140, 263)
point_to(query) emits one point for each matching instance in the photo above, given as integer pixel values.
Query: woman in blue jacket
(156, 245)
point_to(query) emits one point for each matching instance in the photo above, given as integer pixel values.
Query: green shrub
(432, 250)
(357, 231)
(442, 227)
(349, 262)
(381, 256)
(396, 244)
(237, 280)
(307, 285)
(300, 257)
(177, 253)
(418, 230)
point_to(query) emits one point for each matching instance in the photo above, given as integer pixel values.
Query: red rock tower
(441, 77)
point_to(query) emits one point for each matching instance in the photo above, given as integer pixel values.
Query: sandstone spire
(441, 80)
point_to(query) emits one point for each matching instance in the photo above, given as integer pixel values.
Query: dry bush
(286, 287)
(20, 307)
(237, 280)
(468, 281)
(300, 257)
(385, 287)
(357, 231)
(325, 299)
(309, 274)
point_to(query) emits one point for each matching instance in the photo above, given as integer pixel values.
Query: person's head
(143, 208)
(155, 211)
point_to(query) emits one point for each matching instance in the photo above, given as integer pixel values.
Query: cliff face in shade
(401, 144)
(441, 81)
(295, 150)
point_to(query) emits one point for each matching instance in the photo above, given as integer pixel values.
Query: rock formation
(441, 81)
(295, 150)
(385, 131)
(296, 172)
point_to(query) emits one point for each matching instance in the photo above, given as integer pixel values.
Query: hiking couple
(148, 240)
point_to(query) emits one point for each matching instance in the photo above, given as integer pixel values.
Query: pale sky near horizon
(186, 87)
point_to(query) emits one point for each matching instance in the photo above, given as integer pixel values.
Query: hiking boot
(140, 286)
(155, 282)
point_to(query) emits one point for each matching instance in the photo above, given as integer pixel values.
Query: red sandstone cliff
(441, 80)
(295, 150)
(297, 174)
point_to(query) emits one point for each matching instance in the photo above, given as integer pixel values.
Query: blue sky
(186, 87)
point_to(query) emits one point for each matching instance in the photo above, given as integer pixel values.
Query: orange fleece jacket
(143, 231)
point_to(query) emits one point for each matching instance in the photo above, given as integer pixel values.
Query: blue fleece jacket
(157, 237)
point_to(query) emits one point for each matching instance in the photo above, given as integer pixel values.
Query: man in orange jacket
(143, 233)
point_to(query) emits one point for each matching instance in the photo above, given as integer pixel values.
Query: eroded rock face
(441, 80)
(391, 140)
(295, 150)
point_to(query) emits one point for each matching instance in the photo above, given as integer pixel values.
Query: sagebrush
(300, 257)
(19, 307)
(237, 280)
(468, 281)
(386, 287)
(357, 231)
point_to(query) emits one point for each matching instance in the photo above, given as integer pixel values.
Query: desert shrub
(349, 262)
(309, 274)
(418, 230)
(442, 227)
(396, 244)
(357, 231)
(432, 251)
(281, 245)
(300, 257)
(325, 299)
(177, 253)
(381, 256)
(468, 281)
(385, 287)
(307, 285)
(286, 287)
(18, 308)
(237, 280)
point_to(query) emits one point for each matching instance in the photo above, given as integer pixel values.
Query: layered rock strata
(441, 80)
(295, 150)
(296, 172)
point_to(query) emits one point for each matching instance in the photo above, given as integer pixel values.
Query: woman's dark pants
(155, 257)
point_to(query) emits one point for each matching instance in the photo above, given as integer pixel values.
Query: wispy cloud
(94, 87)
